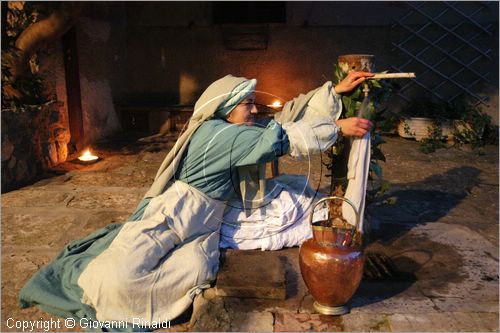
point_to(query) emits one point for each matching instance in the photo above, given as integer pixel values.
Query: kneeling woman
(152, 266)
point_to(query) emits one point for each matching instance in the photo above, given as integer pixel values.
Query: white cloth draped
(357, 175)
(140, 275)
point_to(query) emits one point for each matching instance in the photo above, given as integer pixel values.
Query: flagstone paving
(437, 225)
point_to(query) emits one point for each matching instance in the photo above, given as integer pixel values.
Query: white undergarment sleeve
(316, 130)
(308, 137)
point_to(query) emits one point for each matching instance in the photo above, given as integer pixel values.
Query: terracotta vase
(331, 264)
(357, 62)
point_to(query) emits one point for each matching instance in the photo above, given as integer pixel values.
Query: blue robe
(215, 150)
(218, 148)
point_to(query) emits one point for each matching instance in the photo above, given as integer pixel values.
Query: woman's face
(244, 112)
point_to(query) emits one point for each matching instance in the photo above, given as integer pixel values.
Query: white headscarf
(238, 94)
(218, 93)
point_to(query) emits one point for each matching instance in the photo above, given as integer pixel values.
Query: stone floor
(437, 225)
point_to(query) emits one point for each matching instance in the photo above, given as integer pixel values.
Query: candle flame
(87, 156)
(275, 105)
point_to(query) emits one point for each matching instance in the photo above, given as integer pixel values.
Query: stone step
(252, 274)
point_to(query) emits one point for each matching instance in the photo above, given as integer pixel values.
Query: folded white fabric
(357, 175)
(282, 222)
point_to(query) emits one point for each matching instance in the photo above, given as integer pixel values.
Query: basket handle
(336, 198)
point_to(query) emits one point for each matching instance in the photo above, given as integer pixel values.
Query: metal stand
(331, 310)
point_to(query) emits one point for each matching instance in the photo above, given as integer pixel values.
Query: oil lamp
(87, 157)
(275, 105)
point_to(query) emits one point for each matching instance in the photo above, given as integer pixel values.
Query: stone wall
(175, 50)
(99, 45)
(34, 141)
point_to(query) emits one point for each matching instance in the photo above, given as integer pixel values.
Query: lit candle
(87, 156)
(275, 105)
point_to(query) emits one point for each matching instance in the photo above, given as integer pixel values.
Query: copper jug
(331, 263)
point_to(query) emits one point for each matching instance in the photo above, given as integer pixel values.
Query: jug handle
(337, 198)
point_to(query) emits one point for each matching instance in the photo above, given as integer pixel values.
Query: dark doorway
(74, 99)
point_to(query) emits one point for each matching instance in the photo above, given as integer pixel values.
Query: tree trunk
(42, 33)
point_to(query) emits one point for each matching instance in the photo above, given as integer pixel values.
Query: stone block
(253, 274)
(395, 304)
(93, 222)
(7, 150)
(469, 304)
(17, 268)
(295, 289)
(96, 200)
(52, 153)
(366, 322)
(445, 322)
(101, 219)
(22, 171)
(62, 151)
(110, 179)
(209, 315)
(61, 134)
(252, 321)
(35, 229)
(12, 162)
(304, 322)
(33, 198)
(476, 321)
(423, 322)
(10, 309)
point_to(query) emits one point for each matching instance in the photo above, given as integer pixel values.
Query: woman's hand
(354, 126)
(351, 81)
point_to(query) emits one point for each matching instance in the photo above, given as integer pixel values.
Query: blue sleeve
(256, 145)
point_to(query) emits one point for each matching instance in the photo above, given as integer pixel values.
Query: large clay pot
(331, 264)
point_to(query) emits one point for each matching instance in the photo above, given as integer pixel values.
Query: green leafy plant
(380, 91)
(475, 127)
(435, 139)
(470, 124)
(25, 93)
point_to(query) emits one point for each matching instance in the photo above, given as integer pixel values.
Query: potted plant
(424, 118)
(434, 122)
